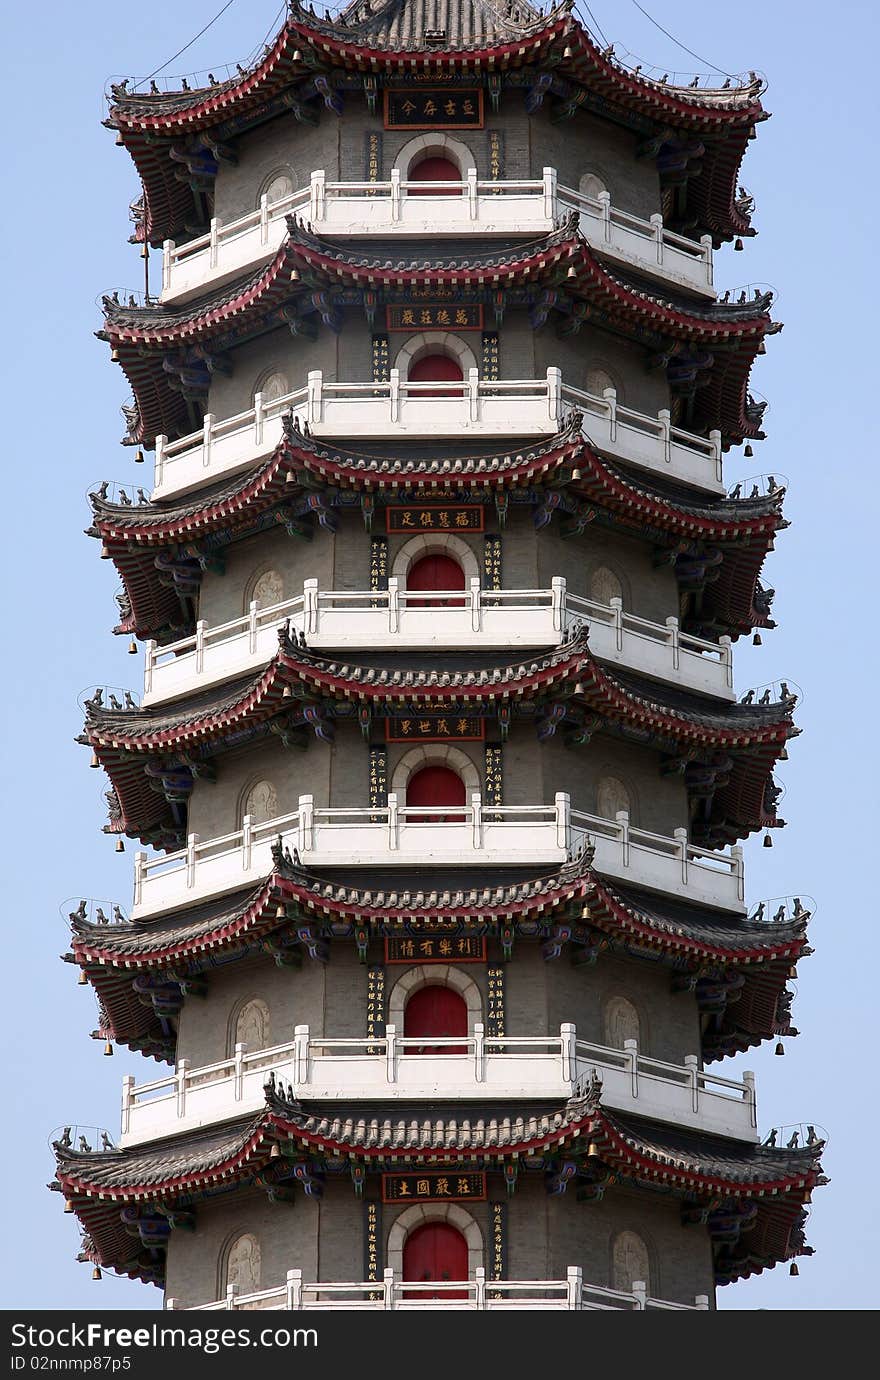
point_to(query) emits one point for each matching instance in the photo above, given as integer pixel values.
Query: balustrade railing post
(615, 603)
(562, 802)
(396, 196)
(568, 1051)
(473, 389)
(674, 641)
(610, 396)
(477, 820)
(622, 818)
(574, 1286)
(207, 430)
(548, 178)
(301, 1069)
(701, 1301)
(191, 846)
(640, 1295)
(253, 606)
(238, 1070)
(631, 1050)
(264, 218)
(692, 1064)
(201, 625)
(706, 242)
(476, 606)
(231, 1291)
(293, 1291)
(715, 440)
(167, 251)
(390, 1054)
(393, 821)
(314, 396)
(307, 823)
(657, 227)
(149, 664)
(557, 602)
(181, 1076)
(736, 855)
(159, 466)
(479, 1038)
(604, 200)
(311, 606)
(393, 604)
(394, 393)
(749, 1096)
(259, 418)
(316, 195)
(387, 1288)
(681, 839)
(480, 1288)
(473, 203)
(664, 417)
(140, 868)
(246, 842)
(127, 1090)
(725, 647)
(213, 242)
(554, 394)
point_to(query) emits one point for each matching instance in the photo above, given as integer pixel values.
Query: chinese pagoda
(438, 780)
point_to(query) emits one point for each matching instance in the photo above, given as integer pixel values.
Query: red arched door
(435, 1251)
(433, 169)
(436, 786)
(437, 571)
(436, 369)
(436, 1012)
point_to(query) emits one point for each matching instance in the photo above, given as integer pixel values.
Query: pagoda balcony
(398, 209)
(399, 410)
(476, 1068)
(395, 619)
(479, 1294)
(480, 836)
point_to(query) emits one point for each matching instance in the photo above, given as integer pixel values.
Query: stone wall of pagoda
(544, 1235)
(331, 999)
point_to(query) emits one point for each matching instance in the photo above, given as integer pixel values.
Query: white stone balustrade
(441, 210)
(419, 411)
(476, 835)
(475, 1068)
(472, 407)
(475, 620)
(480, 1294)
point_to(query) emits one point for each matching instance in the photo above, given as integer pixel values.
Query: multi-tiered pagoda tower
(440, 927)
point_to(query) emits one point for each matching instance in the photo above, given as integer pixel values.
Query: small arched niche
(621, 1022)
(280, 183)
(605, 585)
(261, 802)
(273, 385)
(252, 1025)
(267, 589)
(598, 379)
(612, 796)
(630, 1262)
(591, 184)
(244, 1264)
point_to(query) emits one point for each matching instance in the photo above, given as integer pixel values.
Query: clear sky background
(66, 189)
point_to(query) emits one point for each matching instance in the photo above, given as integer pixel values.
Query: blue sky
(64, 233)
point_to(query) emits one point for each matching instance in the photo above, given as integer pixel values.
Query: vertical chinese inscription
(494, 779)
(375, 1006)
(495, 1002)
(380, 359)
(489, 370)
(372, 1233)
(372, 155)
(498, 1229)
(496, 155)
(492, 563)
(378, 563)
(378, 778)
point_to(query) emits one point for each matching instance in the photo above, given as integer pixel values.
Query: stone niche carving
(279, 186)
(611, 796)
(261, 802)
(273, 386)
(597, 380)
(629, 1261)
(243, 1264)
(252, 1025)
(604, 585)
(591, 185)
(268, 589)
(621, 1022)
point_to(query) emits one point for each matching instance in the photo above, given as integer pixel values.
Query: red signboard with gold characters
(415, 108)
(433, 1188)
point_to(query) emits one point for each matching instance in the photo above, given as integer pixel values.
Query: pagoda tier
(696, 135)
(725, 752)
(717, 547)
(170, 353)
(737, 966)
(750, 1198)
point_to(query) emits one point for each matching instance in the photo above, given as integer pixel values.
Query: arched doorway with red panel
(436, 367)
(438, 787)
(436, 1012)
(434, 167)
(436, 571)
(435, 1251)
